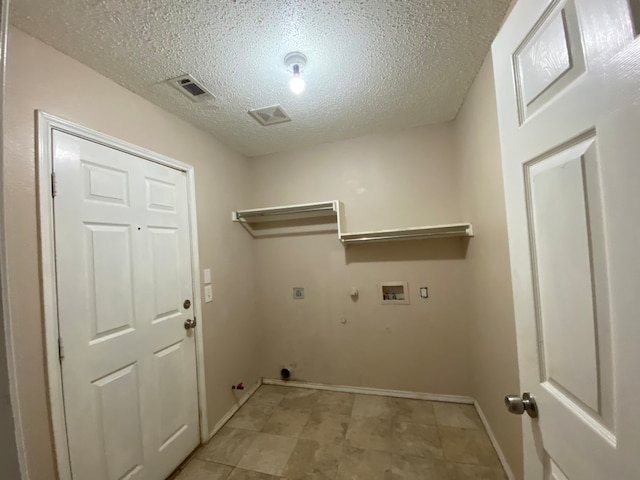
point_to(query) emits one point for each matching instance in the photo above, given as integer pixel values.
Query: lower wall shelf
(415, 233)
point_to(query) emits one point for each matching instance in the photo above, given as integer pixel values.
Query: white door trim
(46, 125)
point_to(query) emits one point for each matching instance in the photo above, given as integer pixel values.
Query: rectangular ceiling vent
(270, 115)
(191, 88)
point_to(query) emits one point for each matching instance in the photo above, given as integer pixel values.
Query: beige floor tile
(468, 446)
(345, 436)
(314, 460)
(287, 422)
(199, 470)
(251, 417)
(277, 389)
(413, 411)
(457, 415)
(358, 464)
(475, 472)
(370, 433)
(335, 402)
(325, 427)
(302, 398)
(417, 440)
(371, 406)
(268, 454)
(227, 446)
(267, 396)
(406, 467)
(241, 474)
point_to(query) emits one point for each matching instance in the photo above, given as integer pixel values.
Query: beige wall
(494, 355)
(391, 180)
(8, 451)
(42, 78)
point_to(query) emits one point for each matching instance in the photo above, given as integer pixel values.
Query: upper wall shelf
(256, 220)
(289, 212)
(336, 209)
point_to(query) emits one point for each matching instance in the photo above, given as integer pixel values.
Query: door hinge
(60, 349)
(54, 186)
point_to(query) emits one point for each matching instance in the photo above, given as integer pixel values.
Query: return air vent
(191, 88)
(270, 115)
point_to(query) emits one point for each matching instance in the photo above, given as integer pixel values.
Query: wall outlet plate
(298, 293)
(208, 293)
(207, 275)
(424, 292)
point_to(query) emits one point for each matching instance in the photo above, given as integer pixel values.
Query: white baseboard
(434, 397)
(225, 418)
(494, 442)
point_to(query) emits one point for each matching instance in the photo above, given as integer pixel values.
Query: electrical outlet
(298, 293)
(208, 294)
(424, 292)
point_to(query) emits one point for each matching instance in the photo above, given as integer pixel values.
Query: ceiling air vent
(191, 88)
(270, 115)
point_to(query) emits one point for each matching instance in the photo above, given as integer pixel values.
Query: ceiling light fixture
(296, 62)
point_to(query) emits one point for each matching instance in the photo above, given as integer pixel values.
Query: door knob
(189, 323)
(518, 405)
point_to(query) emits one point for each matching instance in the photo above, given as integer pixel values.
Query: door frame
(46, 125)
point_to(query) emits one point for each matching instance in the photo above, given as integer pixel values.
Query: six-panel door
(568, 89)
(123, 265)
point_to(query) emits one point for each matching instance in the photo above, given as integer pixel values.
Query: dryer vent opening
(285, 374)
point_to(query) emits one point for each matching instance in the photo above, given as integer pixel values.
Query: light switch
(208, 293)
(207, 275)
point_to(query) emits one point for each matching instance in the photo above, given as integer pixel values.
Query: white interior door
(123, 264)
(568, 86)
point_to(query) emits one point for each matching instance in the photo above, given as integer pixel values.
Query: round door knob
(514, 404)
(189, 323)
(518, 405)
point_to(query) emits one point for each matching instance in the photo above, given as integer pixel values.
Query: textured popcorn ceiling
(372, 65)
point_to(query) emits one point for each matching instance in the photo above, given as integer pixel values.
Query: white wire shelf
(289, 212)
(335, 209)
(414, 233)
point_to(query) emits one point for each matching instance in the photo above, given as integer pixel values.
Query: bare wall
(390, 180)
(9, 464)
(494, 356)
(42, 78)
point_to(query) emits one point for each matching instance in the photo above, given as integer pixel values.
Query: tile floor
(301, 434)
